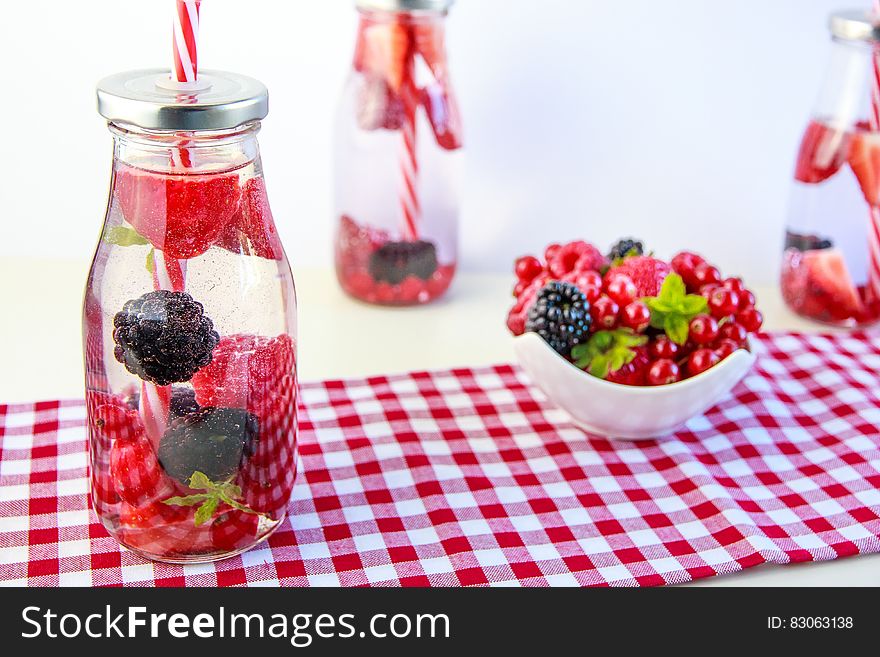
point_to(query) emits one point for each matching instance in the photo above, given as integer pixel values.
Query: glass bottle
(831, 263)
(189, 325)
(397, 157)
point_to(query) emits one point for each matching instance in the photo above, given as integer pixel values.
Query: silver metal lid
(855, 25)
(151, 100)
(405, 5)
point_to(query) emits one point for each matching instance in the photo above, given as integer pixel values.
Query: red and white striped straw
(410, 207)
(186, 41)
(170, 273)
(409, 176)
(873, 286)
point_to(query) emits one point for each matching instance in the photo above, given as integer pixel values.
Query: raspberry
(164, 337)
(136, 472)
(378, 107)
(244, 372)
(575, 256)
(183, 216)
(646, 272)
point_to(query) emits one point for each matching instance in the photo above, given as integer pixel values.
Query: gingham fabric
(471, 477)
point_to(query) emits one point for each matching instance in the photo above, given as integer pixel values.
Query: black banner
(431, 621)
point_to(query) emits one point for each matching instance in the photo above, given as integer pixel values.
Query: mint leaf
(607, 351)
(224, 492)
(189, 500)
(673, 309)
(151, 262)
(204, 512)
(677, 328)
(124, 236)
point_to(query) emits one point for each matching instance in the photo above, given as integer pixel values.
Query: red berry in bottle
(723, 302)
(706, 274)
(751, 319)
(733, 331)
(703, 329)
(527, 268)
(725, 347)
(663, 372)
(551, 250)
(663, 347)
(747, 300)
(636, 316)
(604, 313)
(622, 289)
(701, 360)
(735, 284)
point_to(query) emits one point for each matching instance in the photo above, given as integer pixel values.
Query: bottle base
(182, 560)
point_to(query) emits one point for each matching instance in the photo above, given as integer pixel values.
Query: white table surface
(41, 354)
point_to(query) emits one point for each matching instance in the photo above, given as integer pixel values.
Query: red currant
(685, 263)
(622, 289)
(734, 284)
(751, 319)
(550, 251)
(723, 302)
(706, 274)
(725, 347)
(733, 331)
(588, 279)
(663, 372)
(604, 313)
(636, 316)
(747, 300)
(520, 287)
(703, 329)
(663, 347)
(528, 268)
(701, 360)
(591, 292)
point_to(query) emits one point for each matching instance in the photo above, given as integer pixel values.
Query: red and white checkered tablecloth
(469, 477)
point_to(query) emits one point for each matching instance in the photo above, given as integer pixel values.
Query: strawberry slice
(378, 107)
(830, 284)
(429, 43)
(864, 160)
(252, 231)
(183, 216)
(384, 49)
(444, 115)
(823, 151)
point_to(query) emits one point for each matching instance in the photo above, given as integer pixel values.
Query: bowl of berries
(629, 345)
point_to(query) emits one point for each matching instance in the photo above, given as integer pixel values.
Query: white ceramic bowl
(627, 412)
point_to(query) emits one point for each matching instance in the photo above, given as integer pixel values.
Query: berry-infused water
(827, 265)
(190, 348)
(831, 261)
(398, 145)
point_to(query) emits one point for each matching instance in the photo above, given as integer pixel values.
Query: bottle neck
(186, 153)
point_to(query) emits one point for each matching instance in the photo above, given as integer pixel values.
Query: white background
(675, 120)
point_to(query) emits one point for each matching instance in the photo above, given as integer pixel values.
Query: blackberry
(164, 337)
(394, 261)
(183, 401)
(626, 248)
(212, 441)
(560, 315)
(806, 242)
